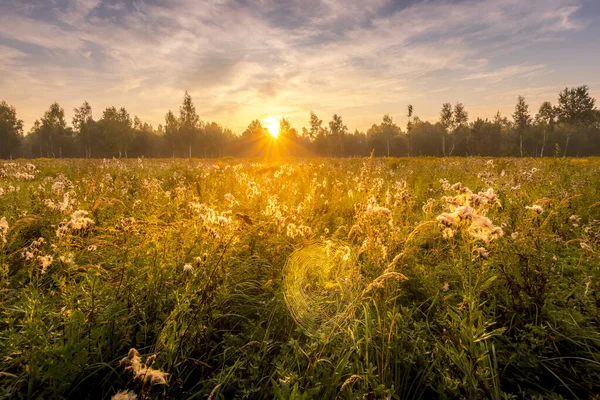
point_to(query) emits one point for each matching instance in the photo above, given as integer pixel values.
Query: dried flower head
(535, 208)
(3, 229)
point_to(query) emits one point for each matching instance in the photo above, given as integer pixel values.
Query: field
(300, 279)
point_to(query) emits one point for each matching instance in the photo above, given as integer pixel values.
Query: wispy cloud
(250, 59)
(499, 74)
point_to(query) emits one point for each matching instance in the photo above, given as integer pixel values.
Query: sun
(272, 125)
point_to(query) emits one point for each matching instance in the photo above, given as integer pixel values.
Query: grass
(432, 290)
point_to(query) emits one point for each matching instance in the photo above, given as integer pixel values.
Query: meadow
(299, 279)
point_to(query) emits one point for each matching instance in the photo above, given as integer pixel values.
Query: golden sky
(244, 60)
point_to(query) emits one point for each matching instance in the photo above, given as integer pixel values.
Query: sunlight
(272, 125)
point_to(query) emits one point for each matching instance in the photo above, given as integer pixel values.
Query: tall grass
(185, 260)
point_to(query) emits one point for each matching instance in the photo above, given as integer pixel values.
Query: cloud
(499, 74)
(242, 58)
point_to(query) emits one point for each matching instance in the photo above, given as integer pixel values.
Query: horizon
(241, 63)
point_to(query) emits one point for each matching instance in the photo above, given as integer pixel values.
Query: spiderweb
(321, 283)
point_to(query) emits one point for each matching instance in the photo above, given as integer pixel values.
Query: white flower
(78, 222)
(45, 262)
(188, 269)
(381, 210)
(67, 259)
(481, 252)
(3, 229)
(535, 208)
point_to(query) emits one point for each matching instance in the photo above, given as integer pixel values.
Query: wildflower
(222, 221)
(27, 255)
(481, 252)
(488, 195)
(143, 372)
(45, 262)
(446, 287)
(3, 229)
(445, 184)
(230, 199)
(428, 205)
(448, 233)
(482, 228)
(78, 222)
(291, 230)
(575, 218)
(67, 259)
(58, 187)
(382, 210)
(447, 219)
(514, 235)
(126, 224)
(464, 212)
(535, 208)
(188, 269)
(92, 248)
(124, 395)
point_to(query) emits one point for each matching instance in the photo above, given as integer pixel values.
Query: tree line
(571, 127)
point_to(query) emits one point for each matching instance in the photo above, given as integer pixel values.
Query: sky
(243, 60)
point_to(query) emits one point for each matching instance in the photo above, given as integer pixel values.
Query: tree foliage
(573, 126)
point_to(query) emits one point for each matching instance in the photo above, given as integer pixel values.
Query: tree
(500, 120)
(486, 137)
(459, 122)
(409, 126)
(52, 133)
(11, 131)
(388, 131)
(426, 138)
(214, 139)
(188, 123)
(116, 132)
(255, 130)
(124, 132)
(576, 108)
(286, 130)
(447, 122)
(461, 117)
(338, 131)
(545, 118)
(83, 124)
(316, 127)
(522, 120)
(171, 131)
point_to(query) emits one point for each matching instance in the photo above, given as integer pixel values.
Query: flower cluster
(468, 209)
(143, 372)
(78, 223)
(3, 229)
